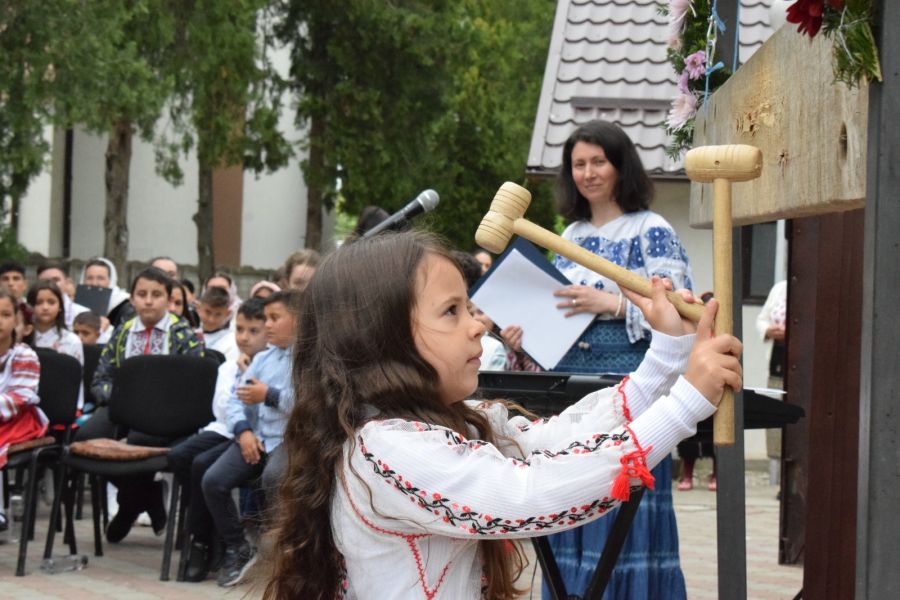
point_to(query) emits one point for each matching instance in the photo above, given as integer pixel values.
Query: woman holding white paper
(604, 192)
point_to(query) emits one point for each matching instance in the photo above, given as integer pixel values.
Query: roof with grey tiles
(607, 60)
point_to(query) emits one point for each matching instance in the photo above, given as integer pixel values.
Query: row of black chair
(168, 397)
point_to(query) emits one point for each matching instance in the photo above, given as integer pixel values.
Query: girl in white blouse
(398, 488)
(49, 320)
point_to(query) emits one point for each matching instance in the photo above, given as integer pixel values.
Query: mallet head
(496, 228)
(734, 162)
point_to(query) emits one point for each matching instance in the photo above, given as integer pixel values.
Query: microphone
(424, 202)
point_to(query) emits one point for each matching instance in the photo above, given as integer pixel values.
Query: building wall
(274, 208)
(40, 214)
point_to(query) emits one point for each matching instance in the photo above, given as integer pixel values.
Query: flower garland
(693, 29)
(849, 23)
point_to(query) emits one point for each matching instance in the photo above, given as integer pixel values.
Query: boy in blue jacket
(256, 415)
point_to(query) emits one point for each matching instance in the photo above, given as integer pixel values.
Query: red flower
(808, 15)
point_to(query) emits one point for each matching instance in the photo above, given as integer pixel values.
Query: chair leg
(184, 537)
(95, 506)
(69, 499)
(79, 499)
(28, 519)
(170, 531)
(59, 489)
(104, 501)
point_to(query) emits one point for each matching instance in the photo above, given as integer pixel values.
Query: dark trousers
(190, 460)
(231, 471)
(137, 493)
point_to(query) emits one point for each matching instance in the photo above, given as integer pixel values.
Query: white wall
(274, 208)
(159, 214)
(36, 214)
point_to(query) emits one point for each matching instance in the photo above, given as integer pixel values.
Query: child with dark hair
(87, 327)
(48, 317)
(179, 304)
(50, 331)
(214, 311)
(56, 272)
(153, 331)
(396, 484)
(12, 277)
(257, 412)
(192, 458)
(20, 418)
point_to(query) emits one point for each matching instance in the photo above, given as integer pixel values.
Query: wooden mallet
(506, 218)
(723, 165)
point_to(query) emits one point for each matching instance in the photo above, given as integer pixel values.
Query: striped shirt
(20, 372)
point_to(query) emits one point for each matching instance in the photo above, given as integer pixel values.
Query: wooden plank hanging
(811, 130)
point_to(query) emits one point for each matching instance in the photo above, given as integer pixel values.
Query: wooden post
(878, 531)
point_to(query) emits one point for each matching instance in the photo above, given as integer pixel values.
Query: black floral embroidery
(474, 522)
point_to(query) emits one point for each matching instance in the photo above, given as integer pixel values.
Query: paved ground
(130, 571)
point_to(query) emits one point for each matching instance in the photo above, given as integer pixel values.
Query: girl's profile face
(445, 333)
(176, 301)
(46, 309)
(7, 320)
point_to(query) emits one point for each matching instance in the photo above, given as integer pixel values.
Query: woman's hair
(186, 313)
(307, 256)
(368, 218)
(633, 191)
(355, 356)
(32, 296)
(97, 262)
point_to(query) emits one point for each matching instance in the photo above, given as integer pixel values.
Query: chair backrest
(59, 386)
(166, 396)
(91, 360)
(214, 355)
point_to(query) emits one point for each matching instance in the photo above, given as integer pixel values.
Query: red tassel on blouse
(634, 466)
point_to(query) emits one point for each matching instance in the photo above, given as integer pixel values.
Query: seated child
(191, 458)
(153, 331)
(256, 416)
(397, 485)
(87, 327)
(20, 418)
(214, 310)
(53, 271)
(49, 319)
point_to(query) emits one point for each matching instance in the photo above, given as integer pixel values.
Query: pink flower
(695, 64)
(683, 82)
(684, 106)
(677, 10)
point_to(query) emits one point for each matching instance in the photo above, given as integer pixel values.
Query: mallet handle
(623, 277)
(723, 421)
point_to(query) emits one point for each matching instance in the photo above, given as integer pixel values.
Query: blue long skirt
(648, 566)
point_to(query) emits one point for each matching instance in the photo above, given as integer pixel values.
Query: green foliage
(10, 246)
(415, 94)
(68, 62)
(227, 93)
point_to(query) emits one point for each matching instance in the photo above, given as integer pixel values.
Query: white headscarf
(118, 294)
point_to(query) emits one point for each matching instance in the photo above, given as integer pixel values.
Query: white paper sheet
(519, 292)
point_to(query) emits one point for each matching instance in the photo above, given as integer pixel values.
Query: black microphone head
(429, 200)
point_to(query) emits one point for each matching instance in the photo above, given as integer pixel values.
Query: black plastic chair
(58, 390)
(168, 397)
(91, 360)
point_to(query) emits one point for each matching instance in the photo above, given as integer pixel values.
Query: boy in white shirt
(215, 316)
(191, 458)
